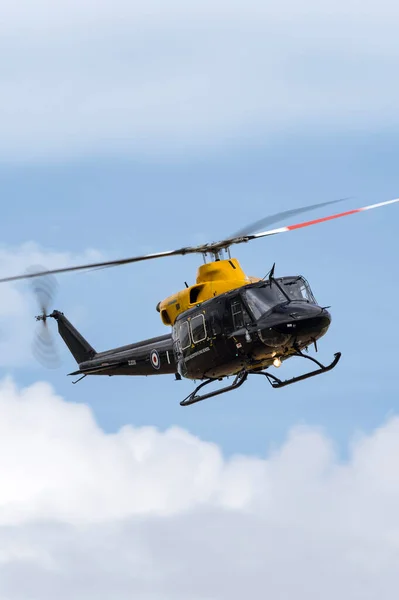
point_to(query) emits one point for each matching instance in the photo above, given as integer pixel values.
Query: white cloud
(153, 515)
(18, 304)
(153, 76)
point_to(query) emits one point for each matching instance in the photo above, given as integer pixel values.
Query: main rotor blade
(100, 265)
(188, 250)
(317, 221)
(203, 249)
(271, 219)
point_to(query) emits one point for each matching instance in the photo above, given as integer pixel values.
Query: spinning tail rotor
(44, 347)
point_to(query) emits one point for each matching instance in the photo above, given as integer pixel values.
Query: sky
(139, 127)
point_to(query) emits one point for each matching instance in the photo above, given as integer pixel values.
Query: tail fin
(78, 346)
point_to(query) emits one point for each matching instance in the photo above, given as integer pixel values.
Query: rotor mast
(217, 254)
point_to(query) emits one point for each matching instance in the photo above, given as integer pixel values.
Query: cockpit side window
(297, 288)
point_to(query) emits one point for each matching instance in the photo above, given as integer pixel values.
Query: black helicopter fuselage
(234, 332)
(246, 329)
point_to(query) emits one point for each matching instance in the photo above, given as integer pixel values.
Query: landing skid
(193, 398)
(277, 383)
(273, 380)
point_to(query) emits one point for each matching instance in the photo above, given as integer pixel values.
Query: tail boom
(153, 356)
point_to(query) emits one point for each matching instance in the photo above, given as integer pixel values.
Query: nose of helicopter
(306, 319)
(296, 320)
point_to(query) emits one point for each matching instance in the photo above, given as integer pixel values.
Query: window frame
(199, 315)
(237, 302)
(182, 324)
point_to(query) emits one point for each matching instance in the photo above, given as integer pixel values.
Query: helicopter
(225, 325)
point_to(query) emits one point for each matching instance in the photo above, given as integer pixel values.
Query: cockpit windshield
(262, 299)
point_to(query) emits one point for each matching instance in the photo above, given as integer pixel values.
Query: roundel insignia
(155, 360)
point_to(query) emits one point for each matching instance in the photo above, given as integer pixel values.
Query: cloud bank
(149, 514)
(152, 77)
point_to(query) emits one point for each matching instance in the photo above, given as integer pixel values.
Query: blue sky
(135, 127)
(123, 206)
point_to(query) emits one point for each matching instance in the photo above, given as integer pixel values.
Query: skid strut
(193, 398)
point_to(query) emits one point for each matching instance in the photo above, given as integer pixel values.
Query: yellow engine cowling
(213, 278)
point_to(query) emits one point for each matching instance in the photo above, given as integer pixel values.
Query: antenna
(271, 274)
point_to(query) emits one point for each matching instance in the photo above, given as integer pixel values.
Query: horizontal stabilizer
(94, 370)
